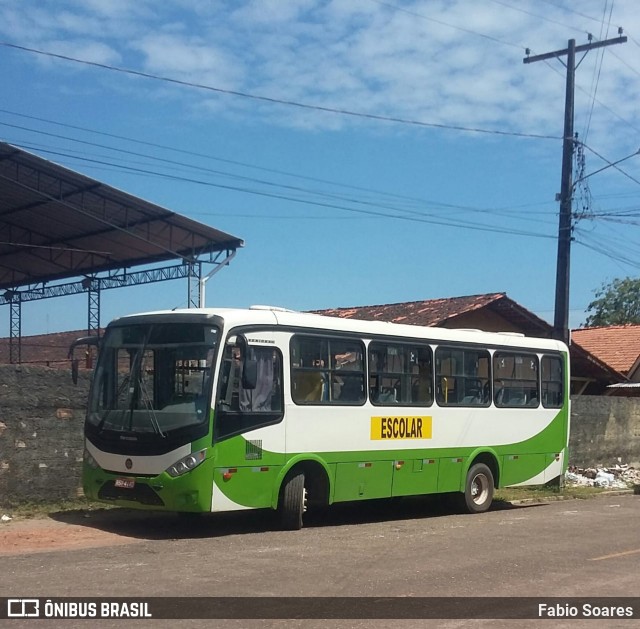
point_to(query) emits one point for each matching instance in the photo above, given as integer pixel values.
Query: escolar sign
(401, 427)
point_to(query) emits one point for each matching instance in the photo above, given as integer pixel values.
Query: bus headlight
(186, 464)
(89, 460)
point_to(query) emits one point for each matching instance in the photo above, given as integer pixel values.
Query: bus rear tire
(478, 489)
(293, 501)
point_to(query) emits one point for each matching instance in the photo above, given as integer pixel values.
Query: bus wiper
(121, 388)
(101, 423)
(146, 399)
(141, 389)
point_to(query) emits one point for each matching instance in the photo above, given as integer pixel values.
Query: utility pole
(565, 225)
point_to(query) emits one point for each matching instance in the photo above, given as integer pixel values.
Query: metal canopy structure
(56, 224)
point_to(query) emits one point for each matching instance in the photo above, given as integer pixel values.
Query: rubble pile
(617, 477)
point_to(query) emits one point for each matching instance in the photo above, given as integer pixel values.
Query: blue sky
(456, 197)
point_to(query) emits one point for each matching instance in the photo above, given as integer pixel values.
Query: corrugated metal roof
(56, 223)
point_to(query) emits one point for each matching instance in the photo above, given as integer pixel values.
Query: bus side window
(242, 409)
(400, 374)
(266, 395)
(462, 375)
(515, 379)
(552, 382)
(327, 370)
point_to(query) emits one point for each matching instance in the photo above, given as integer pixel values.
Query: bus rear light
(186, 464)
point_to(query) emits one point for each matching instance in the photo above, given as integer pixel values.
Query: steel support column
(15, 328)
(93, 295)
(194, 277)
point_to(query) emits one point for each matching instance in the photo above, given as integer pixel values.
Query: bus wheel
(293, 502)
(478, 490)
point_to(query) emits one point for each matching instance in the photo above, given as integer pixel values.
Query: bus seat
(387, 395)
(351, 390)
(513, 397)
(309, 387)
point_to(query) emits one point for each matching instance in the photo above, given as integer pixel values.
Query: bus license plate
(125, 483)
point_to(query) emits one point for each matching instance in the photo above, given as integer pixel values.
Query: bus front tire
(478, 489)
(293, 502)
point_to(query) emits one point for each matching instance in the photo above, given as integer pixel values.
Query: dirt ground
(68, 531)
(92, 528)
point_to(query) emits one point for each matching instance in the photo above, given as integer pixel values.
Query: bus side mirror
(249, 373)
(75, 363)
(249, 364)
(74, 370)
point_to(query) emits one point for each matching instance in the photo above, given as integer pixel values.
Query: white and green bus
(217, 410)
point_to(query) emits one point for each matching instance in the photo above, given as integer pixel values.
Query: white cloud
(453, 62)
(113, 9)
(87, 50)
(272, 12)
(190, 59)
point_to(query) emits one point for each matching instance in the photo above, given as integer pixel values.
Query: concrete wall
(42, 414)
(605, 430)
(41, 424)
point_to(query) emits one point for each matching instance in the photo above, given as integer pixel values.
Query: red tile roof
(616, 345)
(445, 312)
(428, 312)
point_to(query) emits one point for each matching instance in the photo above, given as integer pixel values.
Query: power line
(448, 206)
(419, 219)
(615, 243)
(414, 200)
(236, 163)
(610, 253)
(614, 164)
(540, 17)
(635, 41)
(207, 156)
(278, 101)
(142, 173)
(598, 69)
(584, 91)
(568, 10)
(449, 25)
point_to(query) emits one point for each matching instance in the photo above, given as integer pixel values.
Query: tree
(616, 303)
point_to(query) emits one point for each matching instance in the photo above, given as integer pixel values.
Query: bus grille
(140, 493)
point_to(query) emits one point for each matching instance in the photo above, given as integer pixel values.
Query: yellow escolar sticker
(401, 427)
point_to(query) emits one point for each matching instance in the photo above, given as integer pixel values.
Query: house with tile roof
(617, 346)
(493, 312)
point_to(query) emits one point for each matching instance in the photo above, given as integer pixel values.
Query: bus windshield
(153, 378)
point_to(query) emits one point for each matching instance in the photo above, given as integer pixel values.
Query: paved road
(587, 548)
